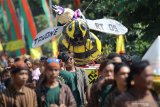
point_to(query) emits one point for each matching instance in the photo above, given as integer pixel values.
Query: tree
(141, 17)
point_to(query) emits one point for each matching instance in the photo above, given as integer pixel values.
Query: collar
(12, 88)
(44, 86)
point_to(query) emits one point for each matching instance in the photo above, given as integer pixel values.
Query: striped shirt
(11, 98)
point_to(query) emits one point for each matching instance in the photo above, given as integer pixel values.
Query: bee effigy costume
(76, 37)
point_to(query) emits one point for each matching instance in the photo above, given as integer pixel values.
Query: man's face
(122, 75)
(5, 76)
(29, 64)
(52, 73)
(145, 79)
(69, 62)
(11, 62)
(107, 72)
(20, 78)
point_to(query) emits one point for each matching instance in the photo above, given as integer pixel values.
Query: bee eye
(70, 27)
(83, 27)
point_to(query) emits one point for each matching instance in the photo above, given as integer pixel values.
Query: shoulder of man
(80, 69)
(64, 73)
(64, 87)
(121, 99)
(28, 89)
(62, 84)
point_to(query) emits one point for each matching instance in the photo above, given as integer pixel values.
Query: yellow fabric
(77, 49)
(90, 58)
(120, 49)
(83, 30)
(81, 49)
(1, 48)
(54, 47)
(98, 42)
(35, 53)
(14, 45)
(92, 74)
(156, 79)
(70, 29)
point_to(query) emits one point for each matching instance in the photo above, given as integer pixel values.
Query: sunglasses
(50, 60)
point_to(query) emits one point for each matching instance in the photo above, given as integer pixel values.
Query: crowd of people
(58, 82)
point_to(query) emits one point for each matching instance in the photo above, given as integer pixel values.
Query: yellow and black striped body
(77, 38)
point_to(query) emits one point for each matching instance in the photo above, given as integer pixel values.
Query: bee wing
(46, 35)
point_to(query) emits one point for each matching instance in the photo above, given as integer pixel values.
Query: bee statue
(76, 37)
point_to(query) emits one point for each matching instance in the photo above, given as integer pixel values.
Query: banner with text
(108, 26)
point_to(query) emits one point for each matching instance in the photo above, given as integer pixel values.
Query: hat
(43, 58)
(63, 56)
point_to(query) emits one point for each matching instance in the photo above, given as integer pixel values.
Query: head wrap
(18, 66)
(52, 63)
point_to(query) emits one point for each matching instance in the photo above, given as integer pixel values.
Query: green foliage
(41, 22)
(56, 2)
(141, 17)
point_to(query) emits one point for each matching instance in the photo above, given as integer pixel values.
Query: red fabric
(30, 20)
(20, 63)
(53, 65)
(15, 22)
(77, 3)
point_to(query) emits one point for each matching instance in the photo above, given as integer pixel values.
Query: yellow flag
(54, 47)
(1, 48)
(14, 45)
(120, 49)
(35, 53)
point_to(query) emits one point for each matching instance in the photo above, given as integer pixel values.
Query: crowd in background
(58, 82)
